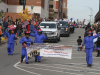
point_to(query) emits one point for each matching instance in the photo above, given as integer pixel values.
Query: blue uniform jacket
(39, 38)
(24, 39)
(34, 28)
(88, 41)
(11, 38)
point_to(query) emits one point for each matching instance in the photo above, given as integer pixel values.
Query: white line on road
(24, 70)
(48, 69)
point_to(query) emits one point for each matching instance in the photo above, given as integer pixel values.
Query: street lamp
(31, 11)
(91, 15)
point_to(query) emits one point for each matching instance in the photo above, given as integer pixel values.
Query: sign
(25, 24)
(51, 50)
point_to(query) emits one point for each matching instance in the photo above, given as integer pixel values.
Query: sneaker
(21, 61)
(27, 63)
(39, 61)
(35, 60)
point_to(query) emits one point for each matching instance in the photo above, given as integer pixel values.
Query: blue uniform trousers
(89, 55)
(24, 54)
(10, 48)
(38, 57)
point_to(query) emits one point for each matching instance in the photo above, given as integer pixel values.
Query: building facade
(97, 16)
(65, 9)
(14, 7)
(55, 9)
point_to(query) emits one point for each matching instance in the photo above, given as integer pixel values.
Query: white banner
(65, 52)
(51, 50)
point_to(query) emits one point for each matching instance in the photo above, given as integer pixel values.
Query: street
(10, 65)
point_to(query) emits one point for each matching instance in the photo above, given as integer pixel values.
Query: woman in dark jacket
(98, 46)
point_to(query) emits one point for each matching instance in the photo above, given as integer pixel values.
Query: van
(51, 29)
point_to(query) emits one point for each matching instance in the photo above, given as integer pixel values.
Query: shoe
(87, 65)
(39, 61)
(97, 56)
(21, 61)
(27, 63)
(8, 54)
(35, 60)
(90, 65)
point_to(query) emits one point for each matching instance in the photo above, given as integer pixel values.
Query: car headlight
(66, 29)
(54, 33)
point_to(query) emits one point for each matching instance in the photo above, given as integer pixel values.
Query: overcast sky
(79, 9)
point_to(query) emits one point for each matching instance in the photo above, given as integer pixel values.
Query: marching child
(79, 41)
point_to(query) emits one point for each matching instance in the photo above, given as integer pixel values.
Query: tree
(25, 15)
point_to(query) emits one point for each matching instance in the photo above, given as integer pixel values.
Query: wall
(3, 6)
(19, 8)
(46, 14)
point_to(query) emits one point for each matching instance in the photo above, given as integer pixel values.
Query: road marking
(24, 70)
(45, 65)
(84, 57)
(48, 69)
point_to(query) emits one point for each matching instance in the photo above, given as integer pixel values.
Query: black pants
(98, 53)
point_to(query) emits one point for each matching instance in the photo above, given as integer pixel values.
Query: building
(55, 9)
(97, 16)
(14, 7)
(65, 9)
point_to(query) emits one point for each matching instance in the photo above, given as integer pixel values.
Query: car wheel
(67, 35)
(56, 41)
(59, 39)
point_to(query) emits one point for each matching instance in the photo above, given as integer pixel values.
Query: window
(50, 6)
(64, 4)
(21, 2)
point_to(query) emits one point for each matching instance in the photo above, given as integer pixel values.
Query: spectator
(98, 47)
(1, 21)
(0, 32)
(18, 29)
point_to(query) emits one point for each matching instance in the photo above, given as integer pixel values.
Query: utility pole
(90, 19)
(24, 3)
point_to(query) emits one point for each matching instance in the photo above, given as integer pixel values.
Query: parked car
(51, 29)
(65, 28)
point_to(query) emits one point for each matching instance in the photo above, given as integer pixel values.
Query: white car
(51, 29)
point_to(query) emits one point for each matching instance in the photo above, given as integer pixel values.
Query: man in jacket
(27, 41)
(39, 38)
(88, 42)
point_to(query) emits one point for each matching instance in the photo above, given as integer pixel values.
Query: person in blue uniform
(27, 41)
(11, 41)
(39, 38)
(88, 42)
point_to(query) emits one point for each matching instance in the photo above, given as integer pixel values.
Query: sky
(79, 9)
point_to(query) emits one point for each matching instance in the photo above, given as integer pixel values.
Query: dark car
(65, 28)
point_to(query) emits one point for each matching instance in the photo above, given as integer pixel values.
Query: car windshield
(63, 23)
(48, 25)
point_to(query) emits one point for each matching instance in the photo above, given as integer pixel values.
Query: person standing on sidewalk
(98, 47)
(18, 30)
(88, 42)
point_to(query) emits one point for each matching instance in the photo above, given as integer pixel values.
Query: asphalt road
(10, 65)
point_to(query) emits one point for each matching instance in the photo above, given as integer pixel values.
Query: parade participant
(25, 41)
(88, 42)
(11, 41)
(98, 47)
(79, 41)
(39, 38)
